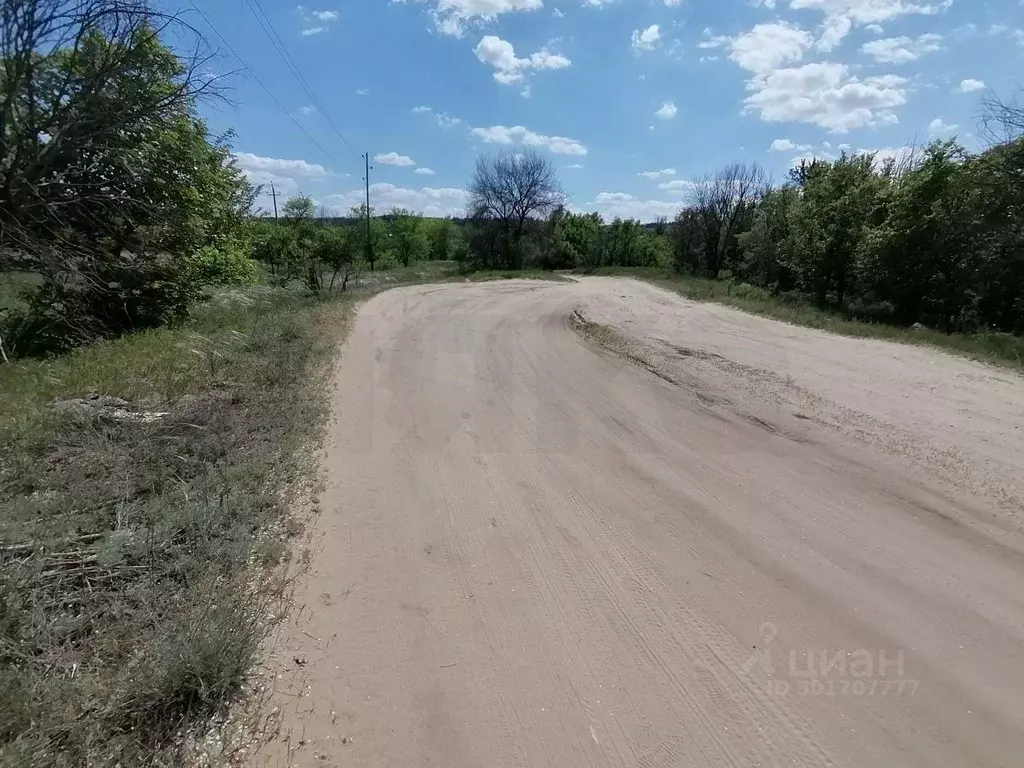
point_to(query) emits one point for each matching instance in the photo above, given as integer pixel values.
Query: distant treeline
(935, 236)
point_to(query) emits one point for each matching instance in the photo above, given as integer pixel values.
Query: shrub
(102, 299)
(228, 264)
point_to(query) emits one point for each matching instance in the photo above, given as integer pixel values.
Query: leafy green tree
(408, 236)
(687, 237)
(995, 213)
(767, 245)
(369, 243)
(299, 209)
(839, 203)
(442, 234)
(582, 239)
(334, 249)
(110, 184)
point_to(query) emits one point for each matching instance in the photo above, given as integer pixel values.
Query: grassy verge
(446, 272)
(998, 348)
(485, 275)
(143, 543)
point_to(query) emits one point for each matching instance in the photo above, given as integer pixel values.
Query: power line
(275, 39)
(269, 93)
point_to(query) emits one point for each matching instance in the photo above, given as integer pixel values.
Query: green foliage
(149, 291)
(442, 235)
(792, 307)
(766, 245)
(320, 253)
(935, 239)
(580, 242)
(335, 249)
(407, 236)
(124, 190)
(298, 209)
(230, 263)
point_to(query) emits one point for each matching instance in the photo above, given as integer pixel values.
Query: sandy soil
(731, 542)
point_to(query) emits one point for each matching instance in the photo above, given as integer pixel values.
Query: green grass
(445, 272)
(417, 272)
(996, 348)
(509, 274)
(140, 562)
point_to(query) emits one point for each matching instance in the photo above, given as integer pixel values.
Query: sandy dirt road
(715, 540)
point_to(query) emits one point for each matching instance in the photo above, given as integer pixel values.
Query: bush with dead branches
(109, 181)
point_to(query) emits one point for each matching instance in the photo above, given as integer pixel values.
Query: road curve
(698, 539)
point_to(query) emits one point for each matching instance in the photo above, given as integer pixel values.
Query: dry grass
(141, 561)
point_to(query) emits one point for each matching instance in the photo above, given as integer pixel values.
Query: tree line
(328, 252)
(935, 236)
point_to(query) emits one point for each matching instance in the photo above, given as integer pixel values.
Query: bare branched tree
(719, 201)
(510, 189)
(109, 180)
(1002, 121)
(80, 80)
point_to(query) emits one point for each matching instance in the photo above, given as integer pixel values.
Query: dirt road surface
(594, 524)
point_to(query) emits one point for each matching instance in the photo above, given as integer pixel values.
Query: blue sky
(630, 99)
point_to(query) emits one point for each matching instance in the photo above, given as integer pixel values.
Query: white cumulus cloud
(765, 46)
(822, 93)
(785, 145)
(247, 161)
(625, 206)
(445, 201)
(825, 94)
(316, 22)
(509, 68)
(666, 111)
(287, 176)
(842, 15)
(969, 85)
(647, 39)
(451, 17)
(517, 134)
(424, 171)
(900, 50)
(658, 174)
(443, 118)
(938, 127)
(393, 158)
(676, 186)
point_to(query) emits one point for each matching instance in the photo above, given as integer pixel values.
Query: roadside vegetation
(990, 347)
(145, 506)
(865, 246)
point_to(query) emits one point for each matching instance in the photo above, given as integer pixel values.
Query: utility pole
(273, 192)
(369, 238)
